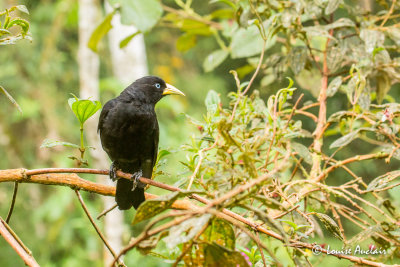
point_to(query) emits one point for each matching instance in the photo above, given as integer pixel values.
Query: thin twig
(106, 211)
(251, 81)
(14, 197)
(96, 227)
(389, 13)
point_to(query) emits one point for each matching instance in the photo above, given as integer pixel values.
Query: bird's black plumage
(129, 134)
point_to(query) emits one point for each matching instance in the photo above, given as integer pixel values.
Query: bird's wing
(155, 148)
(106, 108)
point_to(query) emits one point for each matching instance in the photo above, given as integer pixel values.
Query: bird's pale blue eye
(158, 86)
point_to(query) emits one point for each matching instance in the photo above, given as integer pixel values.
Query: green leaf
(297, 59)
(12, 100)
(212, 101)
(334, 86)
(248, 42)
(303, 152)
(221, 233)
(153, 207)
(23, 9)
(126, 40)
(185, 42)
(346, 139)
(83, 109)
(143, 14)
(332, 6)
(4, 32)
(229, 3)
(186, 231)
(162, 153)
(195, 27)
(382, 181)
(342, 22)
(214, 59)
(216, 255)
(101, 30)
(330, 225)
(47, 143)
(372, 39)
(383, 86)
(147, 245)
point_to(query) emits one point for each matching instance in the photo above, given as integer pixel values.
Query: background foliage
(220, 138)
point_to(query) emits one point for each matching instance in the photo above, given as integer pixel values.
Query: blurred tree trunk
(128, 64)
(89, 18)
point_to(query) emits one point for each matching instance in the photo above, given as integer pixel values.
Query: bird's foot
(113, 172)
(136, 182)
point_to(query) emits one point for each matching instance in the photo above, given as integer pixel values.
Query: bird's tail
(125, 197)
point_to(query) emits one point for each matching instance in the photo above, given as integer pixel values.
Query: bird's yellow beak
(172, 90)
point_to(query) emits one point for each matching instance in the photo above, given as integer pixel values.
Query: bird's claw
(136, 182)
(113, 172)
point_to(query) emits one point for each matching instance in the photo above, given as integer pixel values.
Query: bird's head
(152, 88)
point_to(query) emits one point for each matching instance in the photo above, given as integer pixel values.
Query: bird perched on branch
(129, 134)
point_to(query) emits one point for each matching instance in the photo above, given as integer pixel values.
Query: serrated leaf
(143, 14)
(100, 31)
(127, 39)
(330, 225)
(12, 100)
(185, 42)
(332, 6)
(303, 152)
(153, 207)
(186, 231)
(221, 233)
(216, 256)
(84, 109)
(382, 86)
(334, 86)
(47, 143)
(214, 59)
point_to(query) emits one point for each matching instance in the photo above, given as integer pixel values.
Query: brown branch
(389, 13)
(106, 211)
(321, 122)
(349, 160)
(77, 183)
(8, 234)
(14, 197)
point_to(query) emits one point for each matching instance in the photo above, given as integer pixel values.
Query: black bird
(129, 133)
